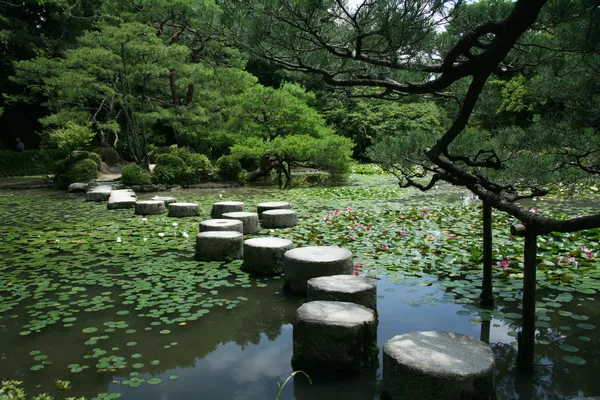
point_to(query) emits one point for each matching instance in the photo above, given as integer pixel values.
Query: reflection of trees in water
(359, 386)
(265, 311)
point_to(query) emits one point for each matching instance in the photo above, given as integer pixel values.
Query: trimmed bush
(135, 175)
(229, 167)
(169, 169)
(29, 162)
(169, 160)
(199, 168)
(83, 171)
(109, 155)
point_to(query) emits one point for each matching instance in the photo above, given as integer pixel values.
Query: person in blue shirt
(20, 146)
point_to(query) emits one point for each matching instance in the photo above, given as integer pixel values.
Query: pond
(116, 304)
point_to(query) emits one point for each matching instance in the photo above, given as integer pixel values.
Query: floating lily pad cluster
(63, 269)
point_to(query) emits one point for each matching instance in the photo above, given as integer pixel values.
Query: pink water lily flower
(403, 234)
(385, 247)
(368, 228)
(589, 254)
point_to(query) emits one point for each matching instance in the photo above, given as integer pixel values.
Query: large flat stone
(279, 219)
(304, 263)
(222, 225)
(265, 255)
(353, 289)
(438, 365)
(271, 205)
(219, 245)
(249, 221)
(78, 187)
(223, 207)
(121, 199)
(150, 207)
(166, 200)
(331, 336)
(181, 210)
(98, 193)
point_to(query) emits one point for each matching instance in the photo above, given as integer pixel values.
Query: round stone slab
(352, 289)
(279, 219)
(150, 207)
(438, 365)
(180, 210)
(305, 263)
(265, 255)
(271, 205)
(223, 207)
(333, 336)
(222, 225)
(166, 200)
(219, 246)
(249, 220)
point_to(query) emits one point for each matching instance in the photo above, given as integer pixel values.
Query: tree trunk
(527, 335)
(173, 85)
(487, 295)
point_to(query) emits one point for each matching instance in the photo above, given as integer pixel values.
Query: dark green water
(221, 334)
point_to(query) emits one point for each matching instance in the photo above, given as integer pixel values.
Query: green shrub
(170, 161)
(82, 171)
(199, 168)
(109, 155)
(86, 155)
(229, 167)
(72, 136)
(367, 169)
(135, 175)
(29, 162)
(170, 169)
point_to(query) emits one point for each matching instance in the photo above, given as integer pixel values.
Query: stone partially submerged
(271, 205)
(98, 193)
(332, 336)
(180, 210)
(279, 219)
(150, 207)
(349, 288)
(265, 255)
(438, 365)
(222, 225)
(223, 207)
(166, 200)
(219, 246)
(78, 187)
(249, 220)
(305, 263)
(121, 199)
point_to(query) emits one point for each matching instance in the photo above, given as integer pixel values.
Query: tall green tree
(397, 49)
(282, 131)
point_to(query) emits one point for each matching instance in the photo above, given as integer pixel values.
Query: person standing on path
(20, 146)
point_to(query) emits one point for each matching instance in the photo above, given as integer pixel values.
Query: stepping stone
(219, 246)
(438, 365)
(226, 207)
(150, 207)
(304, 263)
(167, 200)
(265, 255)
(249, 220)
(98, 193)
(121, 199)
(78, 187)
(279, 219)
(352, 289)
(334, 336)
(222, 225)
(271, 205)
(183, 210)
